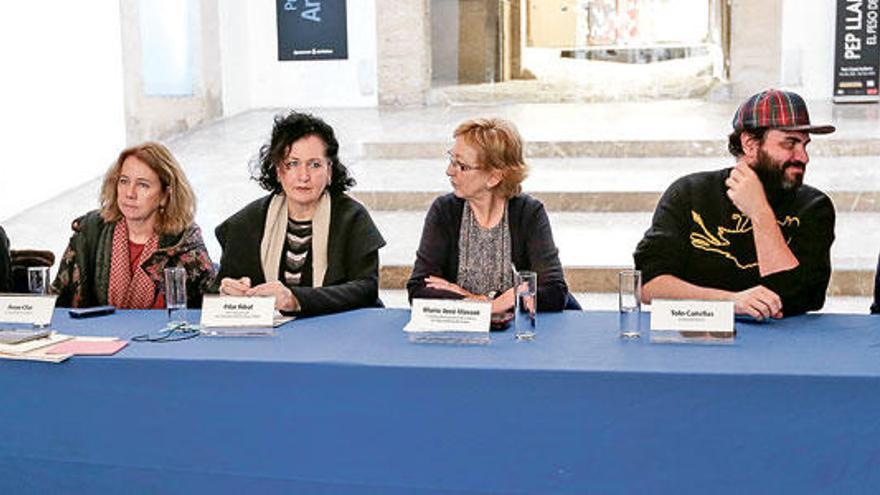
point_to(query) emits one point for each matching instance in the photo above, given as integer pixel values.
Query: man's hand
(758, 302)
(747, 192)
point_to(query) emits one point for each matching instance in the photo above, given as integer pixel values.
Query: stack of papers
(36, 349)
(56, 347)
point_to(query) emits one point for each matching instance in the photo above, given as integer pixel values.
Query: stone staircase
(601, 205)
(599, 169)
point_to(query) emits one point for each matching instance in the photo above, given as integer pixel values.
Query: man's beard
(772, 173)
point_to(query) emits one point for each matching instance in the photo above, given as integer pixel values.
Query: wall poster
(312, 30)
(856, 54)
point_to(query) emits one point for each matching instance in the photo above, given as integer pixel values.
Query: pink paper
(88, 348)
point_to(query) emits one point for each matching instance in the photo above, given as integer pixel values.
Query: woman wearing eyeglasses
(474, 237)
(307, 243)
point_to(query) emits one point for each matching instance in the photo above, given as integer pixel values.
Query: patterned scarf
(130, 290)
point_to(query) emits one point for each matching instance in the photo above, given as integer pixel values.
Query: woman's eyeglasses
(463, 167)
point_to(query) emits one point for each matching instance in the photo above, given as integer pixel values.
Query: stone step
(598, 202)
(591, 184)
(593, 247)
(607, 301)
(847, 283)
(617, 148)
(605, 174)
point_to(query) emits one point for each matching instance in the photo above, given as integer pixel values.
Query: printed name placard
(36, 310)
(444, 315)
(233, 311)
(691, 315)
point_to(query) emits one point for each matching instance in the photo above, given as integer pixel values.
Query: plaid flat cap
(777, 109)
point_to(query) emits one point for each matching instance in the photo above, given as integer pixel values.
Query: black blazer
(532, 248)
(352, 278)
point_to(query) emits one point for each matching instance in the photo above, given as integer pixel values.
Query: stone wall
(404, 51)
(755, 46)
(154, 117)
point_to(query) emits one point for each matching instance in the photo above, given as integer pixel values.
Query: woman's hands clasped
(284, 298)
(501, 304)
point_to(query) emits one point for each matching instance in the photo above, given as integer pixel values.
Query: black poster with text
(857, 53)
(312, 30)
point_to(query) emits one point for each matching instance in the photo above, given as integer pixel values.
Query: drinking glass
(526, 296)
(175, 296)
(629, 298)
(38, 283)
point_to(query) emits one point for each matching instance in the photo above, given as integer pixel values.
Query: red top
(134, 252)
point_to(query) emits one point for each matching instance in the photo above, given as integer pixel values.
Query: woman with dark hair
(117, 255)
(307, 243)
(475, 236)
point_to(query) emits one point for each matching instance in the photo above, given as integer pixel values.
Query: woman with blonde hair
(475, 236)
(117, 254)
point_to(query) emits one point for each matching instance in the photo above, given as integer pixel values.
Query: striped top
(295, 267)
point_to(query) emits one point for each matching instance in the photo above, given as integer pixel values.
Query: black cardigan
(352, 277)
(5, 263)
(531, 240)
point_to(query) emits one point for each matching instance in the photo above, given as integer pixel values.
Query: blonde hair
(180, 207)
(499, 147)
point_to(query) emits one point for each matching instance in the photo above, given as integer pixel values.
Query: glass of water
(38, 280)
(175, 296)
(525, 313)
(38, 283)
(630, 303)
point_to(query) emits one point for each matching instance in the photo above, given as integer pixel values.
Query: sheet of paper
(36, 356)
(87, 347)
(32, 345)
(279, 319)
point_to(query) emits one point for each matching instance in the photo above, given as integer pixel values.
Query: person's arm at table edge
(434, 246)
(803, 287)
(671, 287)
(544, 257)
(758, 302)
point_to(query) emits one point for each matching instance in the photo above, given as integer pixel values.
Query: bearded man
(753, 234)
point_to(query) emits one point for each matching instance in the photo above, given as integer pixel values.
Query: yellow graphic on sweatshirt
(720, 242)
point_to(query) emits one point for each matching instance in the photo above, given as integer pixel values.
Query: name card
(36, 310)
(237, 312)
(691, 315)
(444, 315)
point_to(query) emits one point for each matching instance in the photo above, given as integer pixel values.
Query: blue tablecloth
(345, 404)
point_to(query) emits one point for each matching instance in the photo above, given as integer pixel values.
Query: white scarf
(275, 232)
